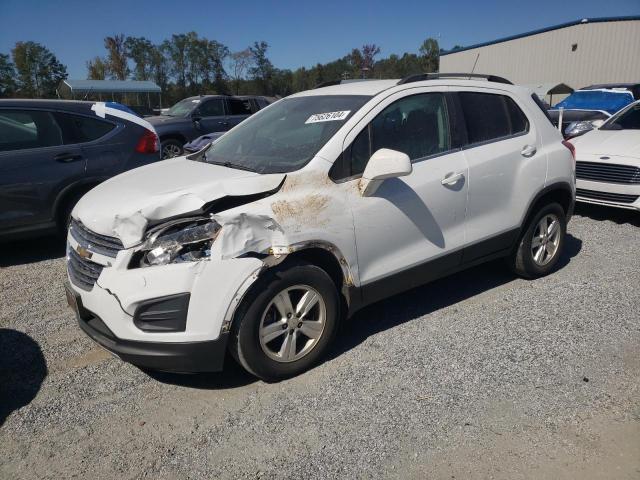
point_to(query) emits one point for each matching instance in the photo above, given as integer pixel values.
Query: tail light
(148, 143)
(571, 148)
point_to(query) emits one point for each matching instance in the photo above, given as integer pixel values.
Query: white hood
(123, 205)
(615, 143)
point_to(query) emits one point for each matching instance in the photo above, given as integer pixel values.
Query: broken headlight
(183, 240)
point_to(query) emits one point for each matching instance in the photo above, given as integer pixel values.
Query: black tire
(522, 260)
(173, 145)
(64, 212)
(244, 343)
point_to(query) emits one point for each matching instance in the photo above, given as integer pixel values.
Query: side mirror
(383, 164)
(578, 128)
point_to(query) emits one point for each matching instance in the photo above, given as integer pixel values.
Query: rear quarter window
(81, 129)
(490, 116)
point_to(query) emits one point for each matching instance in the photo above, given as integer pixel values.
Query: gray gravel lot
(480, 375)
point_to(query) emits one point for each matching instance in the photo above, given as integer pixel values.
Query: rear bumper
(205, 356)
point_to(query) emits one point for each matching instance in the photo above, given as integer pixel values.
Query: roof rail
(435, 76)
(330, 83)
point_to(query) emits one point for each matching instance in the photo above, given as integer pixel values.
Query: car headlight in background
(182, 240)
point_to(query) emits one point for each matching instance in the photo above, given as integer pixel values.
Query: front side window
(628, 119)
(25, 129)
(489, 116)
(211, 108)
(417, 125)
(284, 137)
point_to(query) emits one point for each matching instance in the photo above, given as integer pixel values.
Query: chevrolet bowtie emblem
(83, 252)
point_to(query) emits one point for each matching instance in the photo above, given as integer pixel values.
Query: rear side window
(490, 116)
(80, 129)
(239, 107)
(25, 129)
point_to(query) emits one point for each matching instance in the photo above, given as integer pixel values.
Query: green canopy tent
(115, 90)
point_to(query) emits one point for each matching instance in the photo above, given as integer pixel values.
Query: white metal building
(578, 54)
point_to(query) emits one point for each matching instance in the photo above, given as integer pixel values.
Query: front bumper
(608, 194)
(204, 356)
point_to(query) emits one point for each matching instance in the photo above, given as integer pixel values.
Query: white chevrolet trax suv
(328, 200)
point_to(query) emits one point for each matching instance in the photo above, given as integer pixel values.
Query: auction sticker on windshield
(328, 117)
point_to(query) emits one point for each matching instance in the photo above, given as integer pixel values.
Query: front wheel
(286, 322)
(541, 243)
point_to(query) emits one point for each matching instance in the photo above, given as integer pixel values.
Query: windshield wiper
(233, 165)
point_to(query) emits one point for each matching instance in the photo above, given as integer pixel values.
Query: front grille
(82, 272)
(94, 242)
(607, 172)
(606, 196)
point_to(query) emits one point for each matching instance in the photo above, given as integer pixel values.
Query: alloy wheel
(546, 240)
(292, 324)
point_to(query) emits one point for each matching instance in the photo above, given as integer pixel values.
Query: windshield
(607, 101)
(183, 107)
(285, 136)
(629, 119)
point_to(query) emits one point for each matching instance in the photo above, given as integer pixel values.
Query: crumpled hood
(124, 205)
(619, 143)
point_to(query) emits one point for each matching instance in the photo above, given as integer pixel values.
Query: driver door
(212, 116)
(412, 229)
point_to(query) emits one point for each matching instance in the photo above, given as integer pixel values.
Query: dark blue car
(53, 151)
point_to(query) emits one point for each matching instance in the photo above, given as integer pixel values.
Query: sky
(298, 33)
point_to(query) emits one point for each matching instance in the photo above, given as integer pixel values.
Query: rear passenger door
(102, 147)
(506, 168)
(237, 110)
(34, 163)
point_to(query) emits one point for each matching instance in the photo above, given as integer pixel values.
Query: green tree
(262, 69)
(96, 69)
(7, 76)
(430, 55)
(240, 62)
(176, 51)
(141, 52)
(117, 64)
(39, 71)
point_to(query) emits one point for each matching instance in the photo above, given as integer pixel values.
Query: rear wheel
(541, 243)
(286, 322)
(170, 148)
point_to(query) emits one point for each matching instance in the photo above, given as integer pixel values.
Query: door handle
(528, 151)
(67, 157)
(223, 123)
(452, 178)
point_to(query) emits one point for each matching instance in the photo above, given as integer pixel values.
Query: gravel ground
(480, 375)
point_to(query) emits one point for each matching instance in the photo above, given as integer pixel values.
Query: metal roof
(543, 30)
(110, 86)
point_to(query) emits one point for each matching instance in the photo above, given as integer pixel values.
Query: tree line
(188, 64)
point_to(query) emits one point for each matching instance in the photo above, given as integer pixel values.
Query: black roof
(628, 86)
(543, 30)
(67, 105)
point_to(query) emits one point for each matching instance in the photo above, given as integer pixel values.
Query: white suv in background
(326, 201)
